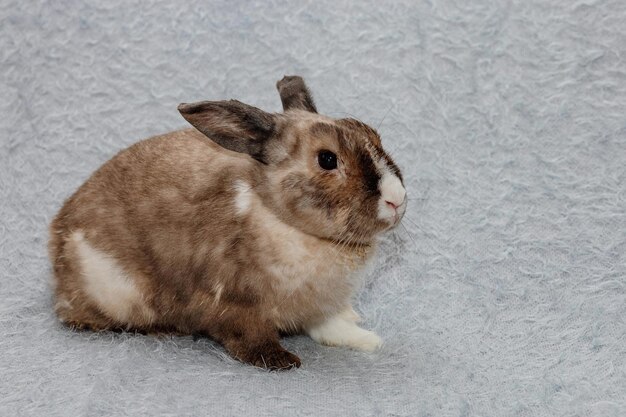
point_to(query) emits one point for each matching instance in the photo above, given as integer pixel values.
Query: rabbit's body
(178, 233)
(180, 259)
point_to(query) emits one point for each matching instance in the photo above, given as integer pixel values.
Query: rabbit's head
(327, 177)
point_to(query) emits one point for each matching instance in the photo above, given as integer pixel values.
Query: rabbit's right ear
(232, 124)
(294, 94)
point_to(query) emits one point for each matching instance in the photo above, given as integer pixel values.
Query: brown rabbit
(249, 225)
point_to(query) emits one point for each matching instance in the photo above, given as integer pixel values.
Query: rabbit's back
(134, 240)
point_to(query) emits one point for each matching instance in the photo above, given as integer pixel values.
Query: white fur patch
(391, 190)
(243, 196)
(338, 331)
(108, 285)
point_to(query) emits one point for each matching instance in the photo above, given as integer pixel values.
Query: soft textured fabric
(504, 292)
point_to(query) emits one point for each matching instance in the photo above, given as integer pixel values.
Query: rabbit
(245, 227)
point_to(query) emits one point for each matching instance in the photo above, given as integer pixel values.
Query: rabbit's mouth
(398, 215)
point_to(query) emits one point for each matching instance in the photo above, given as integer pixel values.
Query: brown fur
(164, 211)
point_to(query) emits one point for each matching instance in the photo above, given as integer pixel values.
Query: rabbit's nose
(392, 204)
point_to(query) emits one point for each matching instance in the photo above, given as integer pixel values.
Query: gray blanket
(504, 293)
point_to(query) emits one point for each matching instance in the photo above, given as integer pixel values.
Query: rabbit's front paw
(337, 331)
(270, 355)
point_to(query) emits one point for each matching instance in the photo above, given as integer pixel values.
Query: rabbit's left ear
(233, 125)
(294, 94)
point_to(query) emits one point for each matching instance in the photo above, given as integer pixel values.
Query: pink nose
(391, 204)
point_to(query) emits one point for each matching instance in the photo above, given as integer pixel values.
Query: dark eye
(327, 160)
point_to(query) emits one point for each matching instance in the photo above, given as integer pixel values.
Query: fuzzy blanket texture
(504, 293)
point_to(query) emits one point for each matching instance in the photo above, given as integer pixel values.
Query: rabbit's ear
(232, 124)
(294, 94)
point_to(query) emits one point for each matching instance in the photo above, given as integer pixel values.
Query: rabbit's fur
(232, 229)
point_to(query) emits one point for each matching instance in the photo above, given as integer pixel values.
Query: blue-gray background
(503, 295)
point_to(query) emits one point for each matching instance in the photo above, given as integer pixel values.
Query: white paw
(337, 331)
(369, 342)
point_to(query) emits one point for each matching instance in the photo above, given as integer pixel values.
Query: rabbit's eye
(327, 160)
